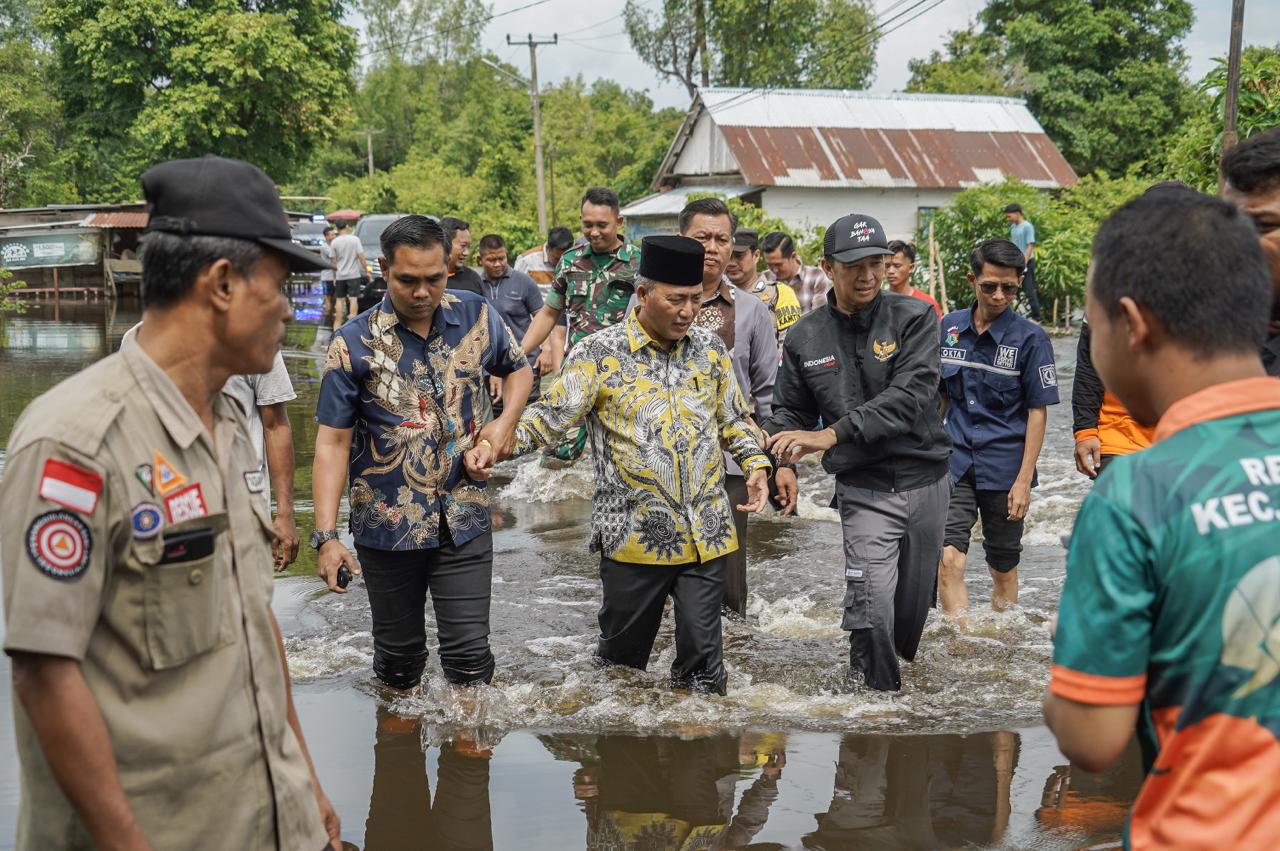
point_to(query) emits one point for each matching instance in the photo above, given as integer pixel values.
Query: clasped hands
(492, 444)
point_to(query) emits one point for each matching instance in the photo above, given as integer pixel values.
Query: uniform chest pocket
(1000, 392)
(578, 284)
(184, 594)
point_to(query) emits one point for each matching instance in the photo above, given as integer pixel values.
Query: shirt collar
(175, 413)
(1243, 396)
(725, 291)
(996, 329)
(446, 313)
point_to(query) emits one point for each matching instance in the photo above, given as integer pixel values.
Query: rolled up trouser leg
(397, 585)
(698, 594)
(461, 585)
(631, 610)
(918, 563)
(873, 524)
(735, 578)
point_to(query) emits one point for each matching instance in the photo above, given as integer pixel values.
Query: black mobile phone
(188, 545)
(344, 576)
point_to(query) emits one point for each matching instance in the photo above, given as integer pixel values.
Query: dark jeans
(634, 596)
(459, 580)
(735, 575)
(1001, 537)
(1029, 290)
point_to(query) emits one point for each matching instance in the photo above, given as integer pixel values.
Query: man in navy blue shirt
(516, 297)
(396, 416)
(998, 379)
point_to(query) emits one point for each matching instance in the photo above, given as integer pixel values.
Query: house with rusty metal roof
(808, 156)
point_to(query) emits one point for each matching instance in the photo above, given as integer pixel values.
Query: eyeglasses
(1009, 290)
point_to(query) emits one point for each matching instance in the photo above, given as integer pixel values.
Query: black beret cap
(675, 260)
(215, 196)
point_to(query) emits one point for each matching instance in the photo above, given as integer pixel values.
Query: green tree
(970, 64)
(784, 43)
(1105, 79)
(31, 167)
(415, 31)
(1196, 150)
(148, 80)
(8, 302)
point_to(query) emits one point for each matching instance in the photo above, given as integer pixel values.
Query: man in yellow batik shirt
(659, 397)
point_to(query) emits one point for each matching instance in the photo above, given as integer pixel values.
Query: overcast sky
(593, 44)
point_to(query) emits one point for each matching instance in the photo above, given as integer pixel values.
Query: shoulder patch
(59, 544)
(70, 486)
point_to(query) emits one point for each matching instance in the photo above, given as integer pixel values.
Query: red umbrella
(345, 215)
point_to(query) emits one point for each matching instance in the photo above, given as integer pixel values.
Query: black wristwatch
(319, 538)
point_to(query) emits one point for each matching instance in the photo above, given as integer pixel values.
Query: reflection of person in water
(919, 792)
(402, 814)
(670, 794)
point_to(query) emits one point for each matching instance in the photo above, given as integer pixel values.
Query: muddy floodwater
(560, 754)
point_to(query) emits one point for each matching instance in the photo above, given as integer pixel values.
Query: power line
(448, 30)
(875, 31)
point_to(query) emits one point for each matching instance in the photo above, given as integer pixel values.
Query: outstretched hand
(789, 446)
(479, 461)
(757, 492)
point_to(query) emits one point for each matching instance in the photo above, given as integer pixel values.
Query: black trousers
(1029, 290)
(460, 581)
(634, 596)
(735, 576)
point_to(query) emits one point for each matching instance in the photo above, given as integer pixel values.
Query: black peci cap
(675, 260)
(746, 239)
(215, 196)
(854, 237)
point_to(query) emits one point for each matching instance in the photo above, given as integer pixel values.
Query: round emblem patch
(147, 518)
(59, 543)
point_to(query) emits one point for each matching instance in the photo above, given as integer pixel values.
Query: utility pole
(533, 44)
(368, 133)
(1230, 102)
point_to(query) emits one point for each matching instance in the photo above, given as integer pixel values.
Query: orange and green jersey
(1172, 601)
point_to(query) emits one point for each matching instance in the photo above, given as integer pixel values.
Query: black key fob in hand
(344, 576)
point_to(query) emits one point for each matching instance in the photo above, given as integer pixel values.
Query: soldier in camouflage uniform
(594, 284)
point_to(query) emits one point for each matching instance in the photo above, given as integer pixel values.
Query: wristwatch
(320, 537)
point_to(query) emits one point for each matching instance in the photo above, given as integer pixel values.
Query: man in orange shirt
(1102, 426)
(897, 273)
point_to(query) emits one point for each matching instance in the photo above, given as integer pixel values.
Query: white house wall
(705, 152)
(897, 209)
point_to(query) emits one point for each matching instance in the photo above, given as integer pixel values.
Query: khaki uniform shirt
(131, 542)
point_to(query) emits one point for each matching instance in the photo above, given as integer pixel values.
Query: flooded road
(558, 753)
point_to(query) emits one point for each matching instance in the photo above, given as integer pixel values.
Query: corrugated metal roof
(671, 202)
(122, 221)
(852, 139)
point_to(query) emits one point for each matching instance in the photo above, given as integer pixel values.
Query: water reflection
(402, 812)
(919, 792)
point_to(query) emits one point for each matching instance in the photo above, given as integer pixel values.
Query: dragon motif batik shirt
(410, 402)
(594, 289)
(656, 421)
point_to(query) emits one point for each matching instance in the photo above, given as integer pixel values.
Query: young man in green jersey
(1170, 616)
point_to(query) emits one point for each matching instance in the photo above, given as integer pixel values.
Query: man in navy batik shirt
(998, 378)
(396, 415)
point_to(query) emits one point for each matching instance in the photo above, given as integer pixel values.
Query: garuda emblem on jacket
(884, 350)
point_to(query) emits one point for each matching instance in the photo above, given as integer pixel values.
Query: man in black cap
(151, 681)
(660, 398)
(867, 365)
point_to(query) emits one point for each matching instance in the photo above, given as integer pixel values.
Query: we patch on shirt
(1007, 357)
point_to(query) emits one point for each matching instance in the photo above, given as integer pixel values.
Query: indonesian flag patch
(70, 486)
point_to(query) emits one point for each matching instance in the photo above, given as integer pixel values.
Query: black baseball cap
(854, 237)
(746, 239)
(215, 196)
(674, 260)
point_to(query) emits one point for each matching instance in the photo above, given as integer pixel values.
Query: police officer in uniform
(153, 707)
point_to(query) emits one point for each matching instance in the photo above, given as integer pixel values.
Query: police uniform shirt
(134, 543)
(992, 380)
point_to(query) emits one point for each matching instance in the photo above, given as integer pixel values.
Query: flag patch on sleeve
(70, 486)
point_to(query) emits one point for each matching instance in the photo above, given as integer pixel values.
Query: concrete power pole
(533, 45)
(368, 133)
(1232, 98)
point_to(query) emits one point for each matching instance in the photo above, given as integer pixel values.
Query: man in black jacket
(867, 365)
